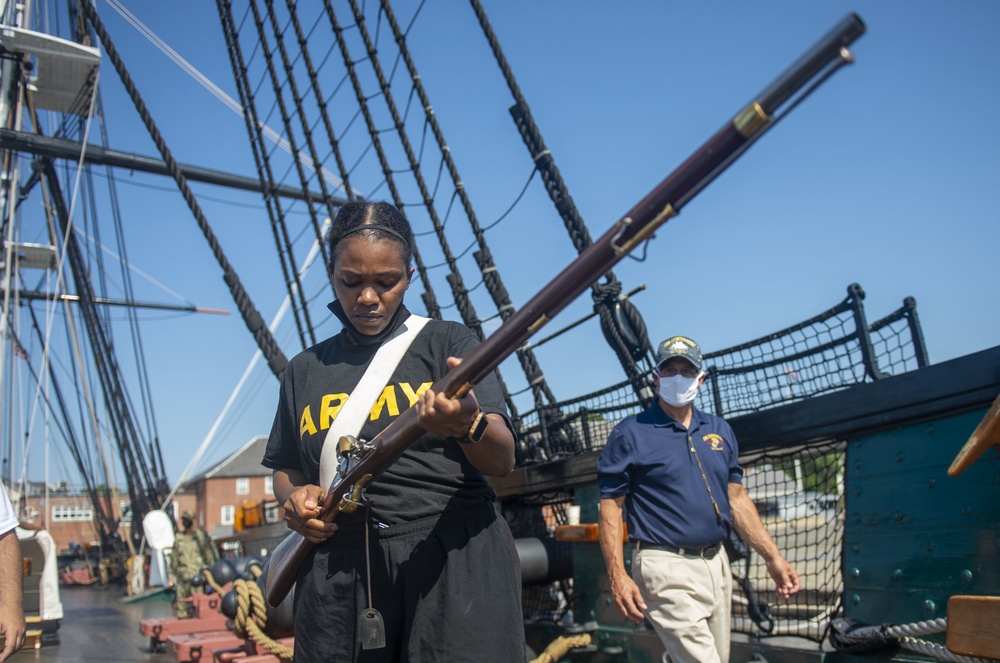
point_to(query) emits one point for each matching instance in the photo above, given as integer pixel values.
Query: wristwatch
(478, 428)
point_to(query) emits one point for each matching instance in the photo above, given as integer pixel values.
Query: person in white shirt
(11, 574)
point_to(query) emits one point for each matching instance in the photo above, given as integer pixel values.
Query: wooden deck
(98, 626)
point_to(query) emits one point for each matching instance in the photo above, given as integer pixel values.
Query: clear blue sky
(881, 178)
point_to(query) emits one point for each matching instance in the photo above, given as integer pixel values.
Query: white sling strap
(352, 415)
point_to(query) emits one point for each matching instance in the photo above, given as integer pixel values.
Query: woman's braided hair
(380, 220)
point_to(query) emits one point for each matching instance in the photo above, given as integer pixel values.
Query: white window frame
(125, 509)
(243, 486)
(269, 485)
(227, 515)
(72, 513)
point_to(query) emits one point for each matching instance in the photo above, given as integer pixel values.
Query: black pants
(448, 590)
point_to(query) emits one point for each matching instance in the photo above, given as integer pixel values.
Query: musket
(363, 462)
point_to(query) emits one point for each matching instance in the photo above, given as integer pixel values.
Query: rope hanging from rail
(135, 574)
(255, 323)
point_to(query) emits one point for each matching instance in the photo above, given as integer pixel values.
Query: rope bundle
(905, 633)
(560, 646)
(251, 617)
(874, 638)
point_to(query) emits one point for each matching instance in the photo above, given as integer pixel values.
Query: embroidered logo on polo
(388, 402)
(714, 441)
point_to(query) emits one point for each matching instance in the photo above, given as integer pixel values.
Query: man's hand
(784, 575)
(11, 576)
(749, 526)
(302, 513)
(627, 597)
(13, 629)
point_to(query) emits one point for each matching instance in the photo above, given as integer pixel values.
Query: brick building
(238, 488)
(69, 517)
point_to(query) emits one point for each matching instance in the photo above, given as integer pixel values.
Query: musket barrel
(662, 203)
(637, 226)
(812, 63)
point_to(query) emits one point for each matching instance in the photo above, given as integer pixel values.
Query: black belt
(708, 552)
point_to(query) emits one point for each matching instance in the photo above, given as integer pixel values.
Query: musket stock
(637, 226)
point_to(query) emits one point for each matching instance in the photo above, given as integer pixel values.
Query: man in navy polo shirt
(675, 471)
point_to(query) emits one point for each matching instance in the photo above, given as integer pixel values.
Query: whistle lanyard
(704, 477)
(368, 558)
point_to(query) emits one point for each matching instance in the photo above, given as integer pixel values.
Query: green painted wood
(914, 536)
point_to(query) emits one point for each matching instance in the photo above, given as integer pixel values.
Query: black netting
(825, 353)
(799, 495)
(578, 425)
(897, 342)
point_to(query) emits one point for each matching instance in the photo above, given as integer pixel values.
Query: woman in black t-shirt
(426, 564)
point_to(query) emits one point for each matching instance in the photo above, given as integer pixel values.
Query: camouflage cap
(679, 346)
(187, 515)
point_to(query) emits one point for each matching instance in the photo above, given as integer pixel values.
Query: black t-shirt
(430, 475)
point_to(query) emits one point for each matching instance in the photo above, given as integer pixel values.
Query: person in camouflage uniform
(192, 549)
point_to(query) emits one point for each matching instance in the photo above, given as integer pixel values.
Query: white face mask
(679, 390)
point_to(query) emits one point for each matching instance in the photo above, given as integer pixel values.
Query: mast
(10, 15)
(63, 79)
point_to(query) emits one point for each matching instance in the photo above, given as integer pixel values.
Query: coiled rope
(560, 646)
(136, 574)
(905, 635)
(251, 617)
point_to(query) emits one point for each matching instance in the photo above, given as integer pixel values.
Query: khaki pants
(689, 603)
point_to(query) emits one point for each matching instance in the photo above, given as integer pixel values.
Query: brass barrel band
(750, 120)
